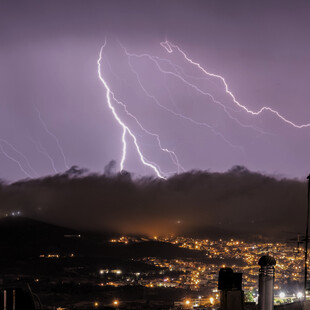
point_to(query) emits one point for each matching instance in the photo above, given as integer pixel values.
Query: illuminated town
(164, 272)
(203, 275)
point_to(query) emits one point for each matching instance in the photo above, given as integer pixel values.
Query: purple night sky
(53, 106)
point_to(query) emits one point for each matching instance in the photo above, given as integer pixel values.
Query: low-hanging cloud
(237, 200)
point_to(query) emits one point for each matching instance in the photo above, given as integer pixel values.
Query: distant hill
(29, 227)
(23, 237)
(23, 240)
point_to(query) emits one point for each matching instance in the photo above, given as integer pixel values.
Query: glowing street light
(116, 303)
(282, 295)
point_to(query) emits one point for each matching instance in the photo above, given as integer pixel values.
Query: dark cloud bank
(237, 201)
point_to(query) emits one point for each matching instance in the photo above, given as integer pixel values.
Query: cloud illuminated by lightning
(169, 47)
(111, 97)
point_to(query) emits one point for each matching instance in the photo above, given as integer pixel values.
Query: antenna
(307, 237)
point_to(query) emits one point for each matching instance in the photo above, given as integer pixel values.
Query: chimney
(266, 282)
(230, 285)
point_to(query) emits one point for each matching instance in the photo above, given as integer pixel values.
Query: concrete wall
(250, 306)
(232, 300)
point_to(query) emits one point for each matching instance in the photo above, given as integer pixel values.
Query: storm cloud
(238, 201)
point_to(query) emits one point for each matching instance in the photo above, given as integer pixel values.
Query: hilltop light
(115, 302)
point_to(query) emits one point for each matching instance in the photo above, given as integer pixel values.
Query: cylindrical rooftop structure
(266, 282)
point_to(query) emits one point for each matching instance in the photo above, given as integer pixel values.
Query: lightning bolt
(110, 96)
(157, 102)
(22, 155)
(12, 158)
(43, 151)
(172, 154)
(169, 47)
(55, 138)
(156, 60)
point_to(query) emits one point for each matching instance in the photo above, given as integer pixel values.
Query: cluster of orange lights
(189, 302)
(115, 303)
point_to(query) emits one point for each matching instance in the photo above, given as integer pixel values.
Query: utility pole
(307, 237)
